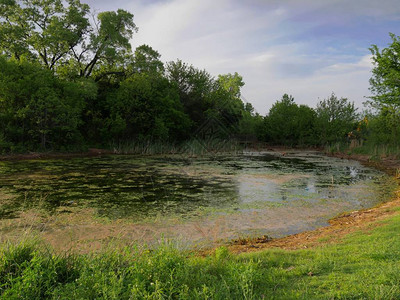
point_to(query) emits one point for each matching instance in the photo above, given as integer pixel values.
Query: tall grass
(26, 272)
(375, 151)
(337, 147)
(191, 147)
(378, 151)
(363, 266)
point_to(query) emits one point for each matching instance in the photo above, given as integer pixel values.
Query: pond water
(250, 194)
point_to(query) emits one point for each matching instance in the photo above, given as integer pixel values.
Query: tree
(147, 60)
(195, 89)
(280, 122)
(109, 43)
(62, 36)
(250, 124)
(13, 30)
(228, 104)
(385, 80)
(306, 118)
(146, 107)
(38, 110)
(231, 83)
(335, 119)
(289, 124)
(385, 87)
(381, 127)
(208, 102)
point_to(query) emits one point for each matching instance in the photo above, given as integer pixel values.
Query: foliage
(385, 80)
(147, 60)
(289, 124)
(37, 109)
(194, 86)
(383, 130)
(146, 105)
(385, 127)
(208, 101)
(379, 133)
(336, 118)
(251, 124)
(231, 83)
(62, 36)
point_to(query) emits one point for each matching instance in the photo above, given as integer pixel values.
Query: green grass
(378, 151)
(192, 147)
(375, 151)
(364, 266)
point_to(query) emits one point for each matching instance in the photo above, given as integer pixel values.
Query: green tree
(147, 60)
(336, 118)
(61, 36)
(195, 88)
(230, 106)
(306, 126)
(280, 124)
(289, 124)
(103, 119)
(146, 107)
(382, 127)
(385, 80)
(38, 110)
(250, 124)
(13, 30)
(231, 83)
(110, 42)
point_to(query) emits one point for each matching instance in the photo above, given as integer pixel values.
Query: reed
(192, 147)
(378, 151)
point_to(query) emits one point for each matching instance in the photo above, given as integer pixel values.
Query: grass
(336, 147)
(192, 147)
(366, 265)
(378, 151)
(375, 151)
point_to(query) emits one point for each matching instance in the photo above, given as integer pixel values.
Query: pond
(198, 200)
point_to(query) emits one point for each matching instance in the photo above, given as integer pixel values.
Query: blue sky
(308, 48)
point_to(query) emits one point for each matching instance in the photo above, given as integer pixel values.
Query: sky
(305, 48)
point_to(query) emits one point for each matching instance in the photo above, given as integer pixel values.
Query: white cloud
(193, 29)
(364, 64)
(278, 46)
(349, 80)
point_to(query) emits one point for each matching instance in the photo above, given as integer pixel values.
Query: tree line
(69, 79)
